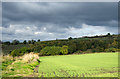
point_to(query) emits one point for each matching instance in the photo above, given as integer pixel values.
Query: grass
(19, 67)
(84, 65)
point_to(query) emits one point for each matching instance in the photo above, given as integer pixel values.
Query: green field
(83, 65)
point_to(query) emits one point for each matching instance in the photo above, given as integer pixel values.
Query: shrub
(118, 50)
(64, 50)
(20, 52)
(78, 52)
(37, 49)
(53, 50)
(111, 50)
(88, 51)
(15, 52)
(98, 49)
(71, 48)
(24, 50)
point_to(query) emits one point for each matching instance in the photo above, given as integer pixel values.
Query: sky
(57, 20)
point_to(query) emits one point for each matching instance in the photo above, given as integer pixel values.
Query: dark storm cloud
(57, 17)
(60, 13)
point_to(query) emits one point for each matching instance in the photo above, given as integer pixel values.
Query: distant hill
(87, 43)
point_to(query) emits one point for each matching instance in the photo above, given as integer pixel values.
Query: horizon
(53, 39)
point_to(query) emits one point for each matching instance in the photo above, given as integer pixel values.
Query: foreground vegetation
(20, 66)
(74, 65)
(83, 65)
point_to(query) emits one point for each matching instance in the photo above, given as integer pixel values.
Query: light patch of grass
(84, 65)
(31, 57)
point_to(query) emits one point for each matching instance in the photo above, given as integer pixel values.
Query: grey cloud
(60, 13)
(57, 17)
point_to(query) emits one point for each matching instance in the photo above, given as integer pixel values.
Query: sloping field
(84, 65)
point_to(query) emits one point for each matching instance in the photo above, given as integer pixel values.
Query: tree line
(107, 43)
(16, 42)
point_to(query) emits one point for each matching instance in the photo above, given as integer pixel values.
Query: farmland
(72, 65)
(59, 39)
(73, 57)
(83, 65)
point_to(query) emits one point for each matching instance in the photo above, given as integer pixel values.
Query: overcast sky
(48, 20)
